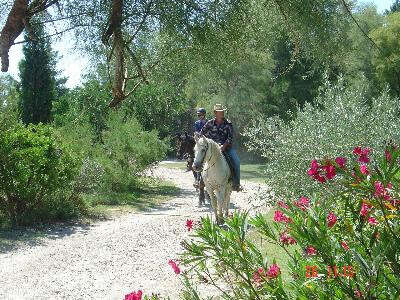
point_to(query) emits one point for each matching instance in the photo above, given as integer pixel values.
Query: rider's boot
(237, 188)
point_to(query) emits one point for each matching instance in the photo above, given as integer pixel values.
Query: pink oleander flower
(314, 172)
(363, 159)
(365, 208)
(257, 275)
(134, 296)
(364, 169)
(388, 156)
(389, 186)
(257, 278)
(379, 188)
(302, 203)
(345, 246)
(189, 224)
(311, 250)
(362, 153)
(330, 171)
(358, 294)
(174, 267)
(320, 178)
(314, 168)
(273, 271)
(280, 217)
(365, 151)
(357, 150)
(286, 239)
(331, 219)
(372, 221)
(341, 161)
(283, 204)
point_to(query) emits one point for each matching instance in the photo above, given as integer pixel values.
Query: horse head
(185, 145)
(201, 153)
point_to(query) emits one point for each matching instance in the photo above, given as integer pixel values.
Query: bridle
(202, 162)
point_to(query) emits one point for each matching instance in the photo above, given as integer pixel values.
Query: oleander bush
(342, 116)
(343, 245)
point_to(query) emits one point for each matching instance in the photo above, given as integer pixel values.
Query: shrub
(34, 171)
(345, 247)
(127, 151)
(79, 137)
(340, 119)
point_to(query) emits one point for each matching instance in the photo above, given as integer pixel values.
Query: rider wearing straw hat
(220, 130)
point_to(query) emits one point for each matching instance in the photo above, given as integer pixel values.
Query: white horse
(216, 174)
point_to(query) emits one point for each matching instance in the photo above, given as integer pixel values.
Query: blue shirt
(198, 125)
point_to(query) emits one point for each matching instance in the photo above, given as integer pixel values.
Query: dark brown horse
(185, 150)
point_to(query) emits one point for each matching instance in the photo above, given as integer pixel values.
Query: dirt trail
(109, 259)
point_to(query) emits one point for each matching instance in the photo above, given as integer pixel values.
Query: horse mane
(214, 146)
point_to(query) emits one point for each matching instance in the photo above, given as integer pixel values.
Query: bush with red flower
(343, 245)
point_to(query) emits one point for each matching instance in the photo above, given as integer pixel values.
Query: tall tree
(395, 7)
(37, 73)
(387, 60)
(114, 28)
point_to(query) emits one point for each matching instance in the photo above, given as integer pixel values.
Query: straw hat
(219, 107)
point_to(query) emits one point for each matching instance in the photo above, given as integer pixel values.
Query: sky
(73, 64)
(382, 5)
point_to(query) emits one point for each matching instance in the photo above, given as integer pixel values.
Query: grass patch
(149, 193)
(273, 251)
(252, 172)
(181, 165)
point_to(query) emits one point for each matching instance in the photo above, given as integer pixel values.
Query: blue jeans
(236, 164)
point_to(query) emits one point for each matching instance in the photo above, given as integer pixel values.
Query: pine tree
(395, 7)
(37, 74)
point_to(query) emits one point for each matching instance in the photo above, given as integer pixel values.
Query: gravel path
(109, 259)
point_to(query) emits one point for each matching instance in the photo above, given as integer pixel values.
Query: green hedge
(36, 175)
(342, 118)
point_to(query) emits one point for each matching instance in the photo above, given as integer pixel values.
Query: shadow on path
(14, 239)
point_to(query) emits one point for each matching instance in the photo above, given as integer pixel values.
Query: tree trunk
(14, 26)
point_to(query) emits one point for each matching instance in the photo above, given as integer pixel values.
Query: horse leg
(220, 198)
(213, 201)
(202, 192)
(201, 196)
(227, 201)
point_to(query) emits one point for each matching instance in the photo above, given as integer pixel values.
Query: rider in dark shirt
(220, 130)
(201, 114)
